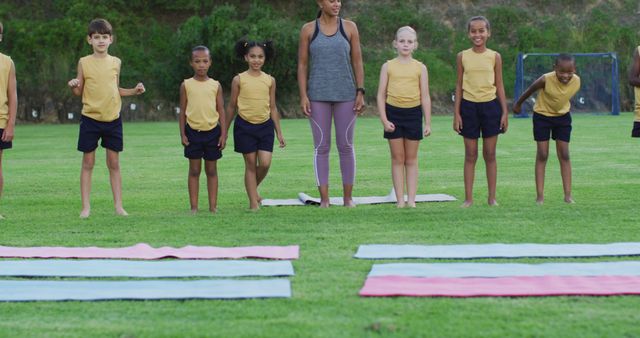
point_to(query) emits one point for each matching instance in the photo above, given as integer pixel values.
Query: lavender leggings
(345, 120)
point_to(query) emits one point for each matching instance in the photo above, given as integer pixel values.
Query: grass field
(41, 205)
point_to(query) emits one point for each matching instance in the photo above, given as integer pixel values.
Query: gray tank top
(331, 76)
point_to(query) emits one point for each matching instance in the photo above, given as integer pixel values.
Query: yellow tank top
(478, 79)
(5, 67)
(553, 99)
(100, 96)
(403, 87)
(636, 92)
(254, 99)
(201, 103)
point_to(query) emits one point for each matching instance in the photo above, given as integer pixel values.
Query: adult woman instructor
(331, 80)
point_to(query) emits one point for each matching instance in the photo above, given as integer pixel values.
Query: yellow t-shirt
(100, 97)
(5, 67)
(636, 92)
(201, 109)
(254, 101)
(479, 79)
(403, 86)
(553, 99)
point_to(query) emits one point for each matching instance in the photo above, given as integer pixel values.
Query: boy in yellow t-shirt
(8, 104)
(552, 117)
(98, 83)
(201, 123)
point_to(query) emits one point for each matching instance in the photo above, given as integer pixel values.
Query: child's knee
(471, 156)
(194, 172)
(564, 156)
(113, 164)
(211, 171)
(542, 156)
(88, 163)
(489, 154)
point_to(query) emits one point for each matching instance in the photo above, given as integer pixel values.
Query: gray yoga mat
(468, 251)
(304, 199)
(144, 269)
(14, 291)
(624, 268)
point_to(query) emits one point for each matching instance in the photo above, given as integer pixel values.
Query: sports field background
(41, 204)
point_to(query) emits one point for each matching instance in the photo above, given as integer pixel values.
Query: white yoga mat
(623, 268)
(304, 199)
(468, 251)
(14, 291)
(144, 269)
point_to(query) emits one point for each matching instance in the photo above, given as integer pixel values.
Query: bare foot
(194, 211)
(569, 199)
(400, 205)
(213, 211)
(254, 207)
(324, 204)
(259, 198)
(466, 204)
(349, 203)
(493, 203)
(411, 204)
(85, 213)
(540, 200)
(121, 212)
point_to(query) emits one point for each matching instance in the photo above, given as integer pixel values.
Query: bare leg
(250, 179)
(193, 182)
(411, 165)
(470, 158)
(113, 163)
(396, 146)
(264, 163)
(542, 155)
(562, 148)
(489, 155)
(211, 170)
(324, 195)
(88, 161)
(1, 179)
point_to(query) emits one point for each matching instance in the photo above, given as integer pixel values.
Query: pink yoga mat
(145, 251)
(392, 286)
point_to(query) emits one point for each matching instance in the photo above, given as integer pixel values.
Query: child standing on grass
(98, 82)
(253, 95)
(202, 124)
(8, 104)
(552, 117)
(480, 106)
(403, 98)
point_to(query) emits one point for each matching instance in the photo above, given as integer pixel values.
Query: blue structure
(598, 71)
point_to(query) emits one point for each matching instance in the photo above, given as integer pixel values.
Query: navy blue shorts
(635, 132)
(249, 137)
(203, 144)
(408, 122)
(5, 145)
(480, 117)
(558, 127)
(92, 130)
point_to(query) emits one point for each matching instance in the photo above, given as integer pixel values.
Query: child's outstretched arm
(457, 119)
(222, 121)
(502, 97)
(425, 100)
(12, 98)
(534, 87)
(634, 72)
(137, 90)
(275, 116)
(381, 99)
(182, 117)
(77, 84)
(233, 102)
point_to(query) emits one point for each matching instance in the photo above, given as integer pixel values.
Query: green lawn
(41, 204)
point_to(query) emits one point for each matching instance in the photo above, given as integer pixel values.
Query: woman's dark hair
(243, 46)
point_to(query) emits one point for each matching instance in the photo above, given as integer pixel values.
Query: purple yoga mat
(145, 251)
(393, 286)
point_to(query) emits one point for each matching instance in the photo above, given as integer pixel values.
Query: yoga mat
(392, 286)
(469, 251)
(144, 269)
(13, 291)
(624, 268)
(144, 251)
(304, 199)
